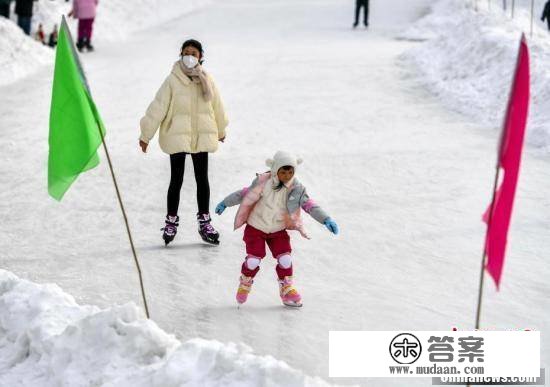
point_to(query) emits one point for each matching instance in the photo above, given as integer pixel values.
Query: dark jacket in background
(24, 7)
(546, 12)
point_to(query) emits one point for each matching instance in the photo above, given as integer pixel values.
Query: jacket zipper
(195, 116)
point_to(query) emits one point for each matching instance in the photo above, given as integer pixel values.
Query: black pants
(5, 10)
(358, 5)
(25, 23)
(200, 165)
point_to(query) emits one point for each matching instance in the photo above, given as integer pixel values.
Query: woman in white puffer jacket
(190, 113)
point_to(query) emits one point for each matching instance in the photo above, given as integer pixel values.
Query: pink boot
(289, 294)
(244, 288)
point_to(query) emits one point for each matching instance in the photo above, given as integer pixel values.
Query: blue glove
(220, 208)
(332, 226)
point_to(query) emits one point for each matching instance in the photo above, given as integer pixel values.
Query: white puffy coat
(188, 123)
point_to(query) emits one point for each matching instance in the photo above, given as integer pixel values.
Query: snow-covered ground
(115, 21)
(469, 58)
(47, 339)
(405, 177)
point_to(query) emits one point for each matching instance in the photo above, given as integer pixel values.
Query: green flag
(75, 125)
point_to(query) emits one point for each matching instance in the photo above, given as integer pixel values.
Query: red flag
(499, 212)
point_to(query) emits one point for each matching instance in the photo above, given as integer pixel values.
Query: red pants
(85, 28)
(278, 243)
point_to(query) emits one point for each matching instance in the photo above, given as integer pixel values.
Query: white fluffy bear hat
(281, 159)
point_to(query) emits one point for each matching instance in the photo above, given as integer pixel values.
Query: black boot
(89, 46)
(80, 44)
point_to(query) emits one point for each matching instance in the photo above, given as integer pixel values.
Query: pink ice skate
(289, 294)
(245, 285)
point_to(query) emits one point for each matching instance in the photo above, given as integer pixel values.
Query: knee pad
(285, 261)
(252, 262)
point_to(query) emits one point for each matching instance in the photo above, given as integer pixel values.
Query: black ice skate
(206, 231)
(171, 228)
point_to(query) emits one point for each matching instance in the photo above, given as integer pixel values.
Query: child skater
(270, 207)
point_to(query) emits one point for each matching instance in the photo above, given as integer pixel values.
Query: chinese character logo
(471, 349)
(405, 348)
(441, 349)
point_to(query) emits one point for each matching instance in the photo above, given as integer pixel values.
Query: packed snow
(47, 339)
(469, 57)
(405, 174)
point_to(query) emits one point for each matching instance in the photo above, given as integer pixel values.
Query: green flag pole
(73, 140)
(127, 226)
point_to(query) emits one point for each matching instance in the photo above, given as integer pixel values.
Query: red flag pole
(484, 256)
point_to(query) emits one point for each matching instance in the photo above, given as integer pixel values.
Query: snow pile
(117, 19)
(47, 339)
(19, 55)
(469, 58)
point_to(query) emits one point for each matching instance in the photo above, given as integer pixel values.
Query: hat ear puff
(269, 162)
(299, 160)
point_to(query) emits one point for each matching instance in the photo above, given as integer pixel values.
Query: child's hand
(220, 208)
(143, 146)
(331, 226)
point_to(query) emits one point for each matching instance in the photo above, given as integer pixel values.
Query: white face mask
(189, 61)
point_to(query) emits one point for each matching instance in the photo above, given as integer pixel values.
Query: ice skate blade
(292, 304)
(167, 241)
(211, 242)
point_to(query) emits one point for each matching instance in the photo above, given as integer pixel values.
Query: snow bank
(117, 19)
(468, 61)
(19, 55)
(47, 339)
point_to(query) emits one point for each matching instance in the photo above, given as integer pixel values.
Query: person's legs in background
(5, 10)
(85, 28)
(358, 5)
(25, 23)
(88, 30)
(80, 35)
